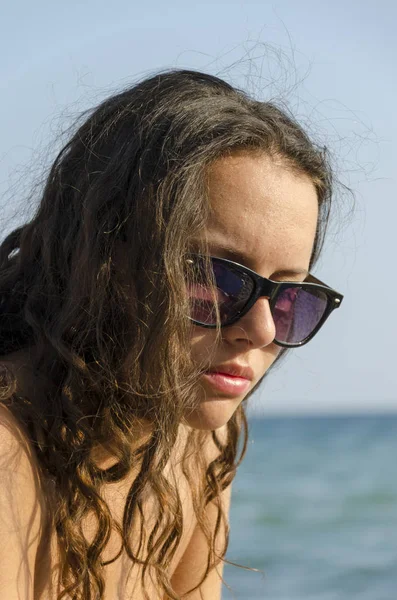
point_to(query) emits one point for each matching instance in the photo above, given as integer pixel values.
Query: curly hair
(130, 183)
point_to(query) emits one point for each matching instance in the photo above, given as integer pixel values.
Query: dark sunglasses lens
(297, 312)
(233, 290)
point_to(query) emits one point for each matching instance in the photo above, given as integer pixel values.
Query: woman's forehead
(263, 208)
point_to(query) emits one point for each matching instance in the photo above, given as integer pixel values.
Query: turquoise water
(314, 507)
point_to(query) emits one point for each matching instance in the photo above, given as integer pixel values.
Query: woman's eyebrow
(288, 273)
(230, 253)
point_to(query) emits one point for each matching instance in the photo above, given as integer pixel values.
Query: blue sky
(335, 64)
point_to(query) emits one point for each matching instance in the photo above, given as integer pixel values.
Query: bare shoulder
(21, 509)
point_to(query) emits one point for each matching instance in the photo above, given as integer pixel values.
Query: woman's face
(264, 216)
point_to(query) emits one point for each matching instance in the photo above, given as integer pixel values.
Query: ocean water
(314, 509)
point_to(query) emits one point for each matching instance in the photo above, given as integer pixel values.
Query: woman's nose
(256, 327)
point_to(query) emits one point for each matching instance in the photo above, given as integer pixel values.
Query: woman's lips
(231, 385)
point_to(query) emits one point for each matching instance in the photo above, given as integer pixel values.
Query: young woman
(165, 270)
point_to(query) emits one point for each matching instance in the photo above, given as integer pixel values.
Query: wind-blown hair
(94, 283)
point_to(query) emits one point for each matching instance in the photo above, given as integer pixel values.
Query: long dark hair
(112, 341)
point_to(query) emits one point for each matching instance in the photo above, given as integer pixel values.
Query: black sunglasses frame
(271, 289)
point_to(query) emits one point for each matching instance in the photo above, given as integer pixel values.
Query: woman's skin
(264, 215)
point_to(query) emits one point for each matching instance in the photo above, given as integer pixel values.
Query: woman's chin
(212, 413)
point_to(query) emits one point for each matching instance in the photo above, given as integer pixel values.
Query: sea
(314, 510)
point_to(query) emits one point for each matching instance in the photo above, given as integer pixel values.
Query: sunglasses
(299, 310)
